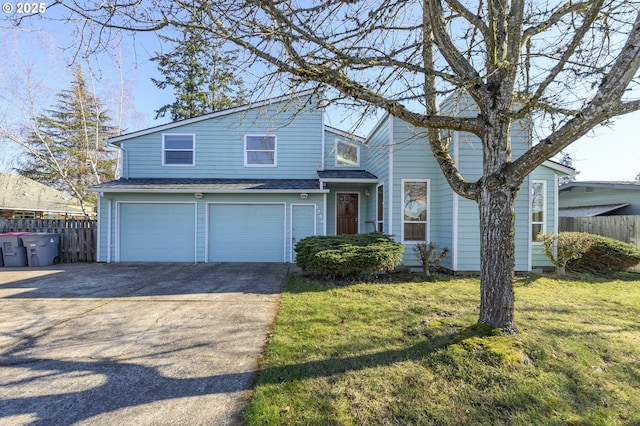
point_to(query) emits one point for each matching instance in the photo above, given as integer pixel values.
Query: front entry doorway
(347, 214)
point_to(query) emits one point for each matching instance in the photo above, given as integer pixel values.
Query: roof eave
(560, 168)
(347, 180)
(133, 189)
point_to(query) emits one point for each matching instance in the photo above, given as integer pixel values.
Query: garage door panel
(246, 233)
(157, 232)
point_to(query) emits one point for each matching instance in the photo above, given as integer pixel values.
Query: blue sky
(607, 153)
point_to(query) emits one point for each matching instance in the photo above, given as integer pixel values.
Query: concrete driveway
(143, 344)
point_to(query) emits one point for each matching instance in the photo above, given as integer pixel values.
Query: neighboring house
(599, 198)
(24, 198)
(246, 184)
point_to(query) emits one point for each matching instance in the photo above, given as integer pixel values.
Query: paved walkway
(151, 344)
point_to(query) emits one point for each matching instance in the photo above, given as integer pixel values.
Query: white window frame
(427, 222)
(543, 223)
(275, 150)
(357, 147)
(192, 150)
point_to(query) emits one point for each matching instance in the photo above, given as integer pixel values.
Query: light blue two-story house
(247, 183)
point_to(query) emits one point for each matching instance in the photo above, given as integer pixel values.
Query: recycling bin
(13, 251)
(42, 248)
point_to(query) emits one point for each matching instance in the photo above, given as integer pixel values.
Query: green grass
(410, 353)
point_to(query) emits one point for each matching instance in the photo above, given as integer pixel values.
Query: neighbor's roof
(205, 185)
(632, 185)
(589, 211)
(21, 193)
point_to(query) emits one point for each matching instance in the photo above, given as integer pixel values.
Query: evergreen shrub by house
(344, 256)
(606, 255)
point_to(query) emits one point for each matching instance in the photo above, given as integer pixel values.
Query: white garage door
(246, 232)
(157, 232)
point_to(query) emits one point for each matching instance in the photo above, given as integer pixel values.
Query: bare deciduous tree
(63, 147)
(567, 65)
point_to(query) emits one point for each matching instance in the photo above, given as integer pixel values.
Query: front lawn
(409, 353)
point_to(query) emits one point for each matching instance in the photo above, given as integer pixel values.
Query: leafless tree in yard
(567, 65)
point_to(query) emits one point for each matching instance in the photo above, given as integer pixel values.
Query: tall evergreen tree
(202, 75)
(66, 147)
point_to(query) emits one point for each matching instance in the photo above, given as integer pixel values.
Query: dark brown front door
(347, 217)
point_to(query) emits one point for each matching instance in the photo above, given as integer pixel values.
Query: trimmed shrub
(564, 247)
(582, 252)
(344, 256)
(606, 255)
(430, 258)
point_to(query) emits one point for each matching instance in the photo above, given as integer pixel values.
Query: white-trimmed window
(415, 210)
(178, 150)
(260, 151)
(538, 208)
(347, 154)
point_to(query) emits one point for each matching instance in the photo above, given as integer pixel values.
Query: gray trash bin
(42, 248)
(13, 251)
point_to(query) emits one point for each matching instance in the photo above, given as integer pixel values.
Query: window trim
(543, 223)
(356, 146)
(427, 222)
(192, 150)
(275, 150)
(380, 220)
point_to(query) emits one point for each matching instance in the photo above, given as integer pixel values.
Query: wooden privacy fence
(78, 238)
(624, 228)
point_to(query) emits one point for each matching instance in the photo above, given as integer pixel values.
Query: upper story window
(347, 154)
(178, 150)
(538, 208)
(415, 214)
(260, 151)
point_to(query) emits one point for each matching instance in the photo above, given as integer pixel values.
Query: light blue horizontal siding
(412, 159)
(468, 152)
(377, 162)
(442, 234)
(219, 146)
(329, 154)
(468, 246)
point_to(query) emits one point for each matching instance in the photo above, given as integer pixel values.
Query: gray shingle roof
(21, 193)
(208, 185)
(346, 174)
(589, 211)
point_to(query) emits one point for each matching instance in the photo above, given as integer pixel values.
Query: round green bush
(606, 255)
(348, 255)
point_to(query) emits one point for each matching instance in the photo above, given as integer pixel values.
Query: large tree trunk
(497, 217)
(496, 201)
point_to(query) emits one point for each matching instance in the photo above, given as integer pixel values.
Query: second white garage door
(246, 232)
